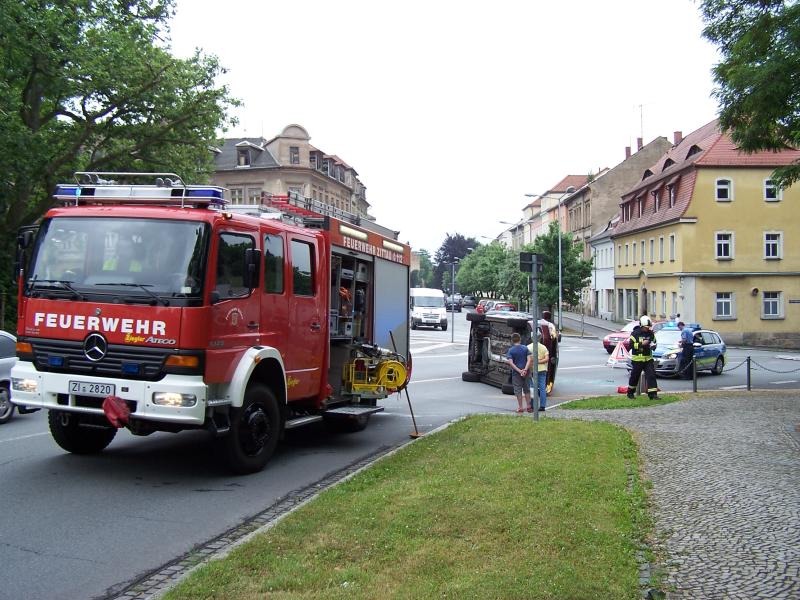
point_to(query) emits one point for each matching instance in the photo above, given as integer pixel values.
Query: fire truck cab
(158, 307)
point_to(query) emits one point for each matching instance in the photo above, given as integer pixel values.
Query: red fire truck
(160, 307)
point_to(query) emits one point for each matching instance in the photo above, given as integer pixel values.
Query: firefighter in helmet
(642, 343)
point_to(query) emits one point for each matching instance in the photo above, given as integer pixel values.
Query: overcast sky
(451, 111)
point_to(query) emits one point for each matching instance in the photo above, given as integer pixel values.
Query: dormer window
(647, 173)
(668, 163)
(672, 195)
(693, 150)
(242, 157)
(724, 190)
(294, 155)
(312, 159)
(639, 206)
(656, 200)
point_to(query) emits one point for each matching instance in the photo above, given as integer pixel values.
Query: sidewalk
(603, 324)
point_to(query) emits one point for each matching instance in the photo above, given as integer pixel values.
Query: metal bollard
(748, 373)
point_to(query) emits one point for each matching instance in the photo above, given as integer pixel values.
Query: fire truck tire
(350, 425)
(68, 433)
(6, 408)
(470, 376)
(255, 430)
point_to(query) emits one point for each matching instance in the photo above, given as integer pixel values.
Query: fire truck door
(235, 309)
(305, 355)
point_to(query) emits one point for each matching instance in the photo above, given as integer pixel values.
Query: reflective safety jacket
(641, 352)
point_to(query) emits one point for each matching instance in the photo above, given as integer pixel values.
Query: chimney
(677, 136)
(627, 152)
(638, 144)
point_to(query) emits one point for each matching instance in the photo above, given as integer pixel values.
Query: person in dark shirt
(687, 351)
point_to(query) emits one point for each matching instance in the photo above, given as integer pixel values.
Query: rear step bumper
(340, 412)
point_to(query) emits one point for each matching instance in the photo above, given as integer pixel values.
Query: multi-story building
(250, 167)
(708, 235)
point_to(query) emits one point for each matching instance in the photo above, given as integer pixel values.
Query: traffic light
(526, 260)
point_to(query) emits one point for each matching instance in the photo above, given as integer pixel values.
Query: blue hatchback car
(709, 350)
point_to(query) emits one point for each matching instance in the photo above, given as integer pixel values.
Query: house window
(724, 245)
(652, 250)
(672, 194)
(653, 302)
(656, 200)
(771, 191)
(724, 190)
(642, 247)
(294, 155)
(772, 305)
(672, 247)
(664, 304)
(773, 245)
(626, 254)
(243, 157)
(253, 195)
(237, 195)
(619, 255)
(312, 159)
(633, 250)
(639, 206)
(724, 306)
(674, 310)
(661, 249)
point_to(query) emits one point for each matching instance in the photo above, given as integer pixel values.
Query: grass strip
(490, 507)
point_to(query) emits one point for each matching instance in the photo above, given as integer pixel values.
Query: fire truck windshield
(95, 257)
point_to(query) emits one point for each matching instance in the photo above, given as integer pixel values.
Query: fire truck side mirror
(25, 238)
(252, 262)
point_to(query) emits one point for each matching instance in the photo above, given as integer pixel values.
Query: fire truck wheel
(255, 430)
(6, 408)
(348, 425)
(68, 433)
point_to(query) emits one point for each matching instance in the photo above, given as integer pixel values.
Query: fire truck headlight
(24, 385)
(174, 399)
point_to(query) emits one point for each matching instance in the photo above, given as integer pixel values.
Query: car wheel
(444, 327)
(413, 325)
(718, 366)
(470, 377)
(68, 432)
(255, 428)
(609, 350)
(6, 408)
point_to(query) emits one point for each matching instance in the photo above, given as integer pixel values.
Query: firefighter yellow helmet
(645, 321)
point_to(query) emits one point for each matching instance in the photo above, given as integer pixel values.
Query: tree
(91, 86)
(479, 272)
(453, 248)
(759, 41)
(575, 271)
(423, 276)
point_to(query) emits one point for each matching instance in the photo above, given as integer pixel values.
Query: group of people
(520, 358)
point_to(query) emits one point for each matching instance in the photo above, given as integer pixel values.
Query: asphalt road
(78, 527)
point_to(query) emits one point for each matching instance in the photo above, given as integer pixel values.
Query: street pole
(536, 401)
(452, 301)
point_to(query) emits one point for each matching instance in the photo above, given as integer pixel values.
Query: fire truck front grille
(123, 362)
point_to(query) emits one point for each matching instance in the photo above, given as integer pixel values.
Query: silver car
(8, 356)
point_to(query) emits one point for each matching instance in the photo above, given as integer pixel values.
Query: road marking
(433, 380)
(733, 387)
(781, 382)
(24, 437)
(441, 356)
(428, 348)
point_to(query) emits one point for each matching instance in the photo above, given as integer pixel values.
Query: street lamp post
(566, 193)
(453, 299)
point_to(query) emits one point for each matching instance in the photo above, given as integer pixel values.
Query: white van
(427, 308)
